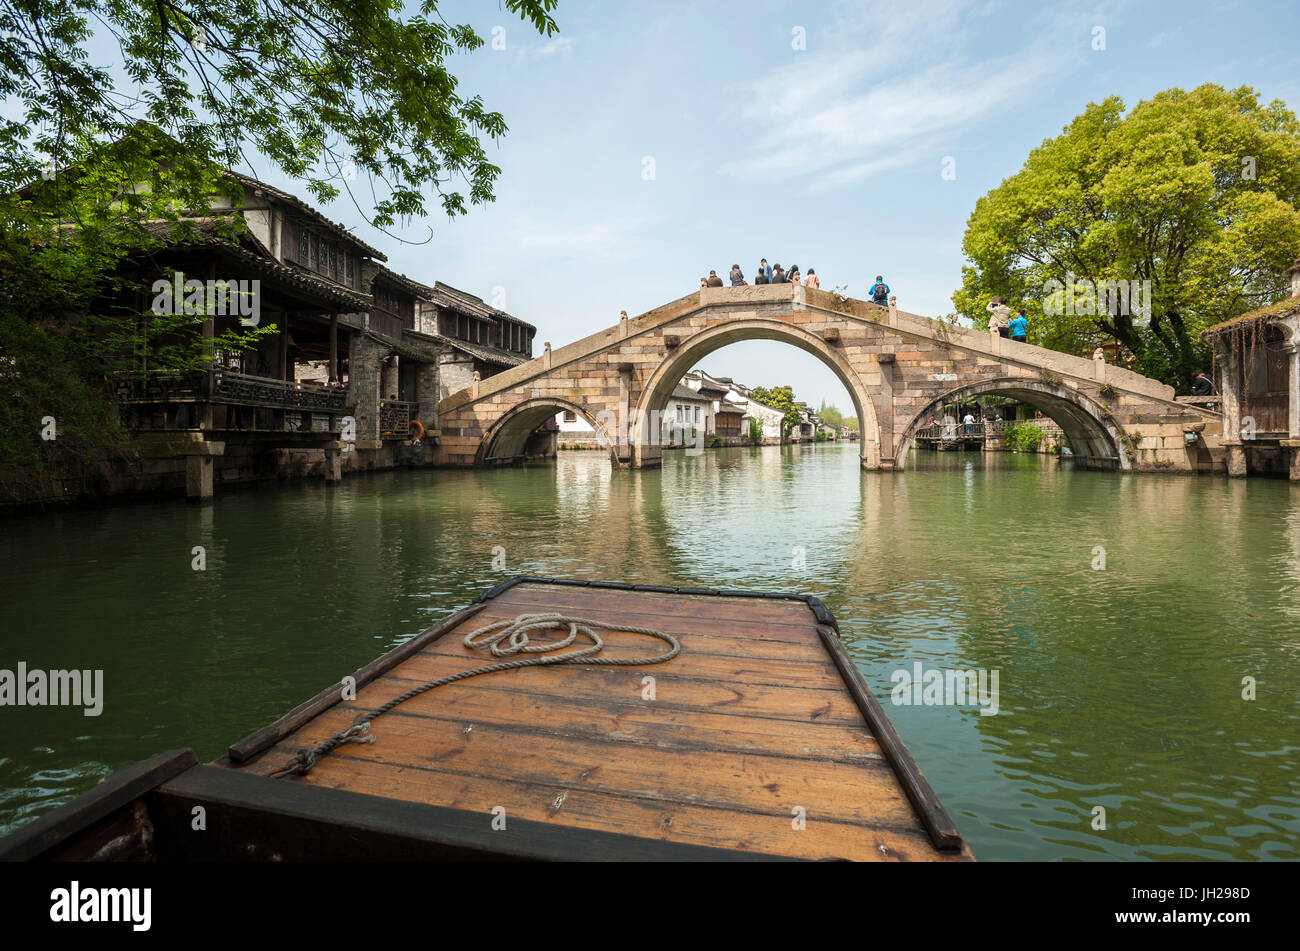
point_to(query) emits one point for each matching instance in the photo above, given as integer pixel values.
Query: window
(304, 245)
(315, 250)
(347, 267)
(697, 414)
(334, 258)
(570, 416)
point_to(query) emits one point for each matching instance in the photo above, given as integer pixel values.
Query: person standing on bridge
(880, 292)
(1020, 326)
(793, 276)
(811, 280)
(766, 270)
(761, 277)
(714, 280)
(1000, 316)
(778, 275)
(737, 278)
(1201, 385)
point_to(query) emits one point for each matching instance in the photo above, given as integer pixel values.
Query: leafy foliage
(779, 398)
(1023, 437)
(831, 416)
(1197, 192)
(327, 90)
(331, 92)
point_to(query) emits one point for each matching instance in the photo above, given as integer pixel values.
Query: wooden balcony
(225, 401)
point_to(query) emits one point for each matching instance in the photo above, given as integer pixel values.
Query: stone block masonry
(897, 368)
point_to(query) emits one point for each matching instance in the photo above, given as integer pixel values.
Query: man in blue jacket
(880, 292)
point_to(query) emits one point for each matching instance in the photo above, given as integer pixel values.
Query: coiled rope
(504, 639)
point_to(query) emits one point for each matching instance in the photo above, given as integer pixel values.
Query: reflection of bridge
(898, 369)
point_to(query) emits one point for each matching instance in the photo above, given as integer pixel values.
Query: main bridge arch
(693, 349)
(896, 368)
(1092, 431)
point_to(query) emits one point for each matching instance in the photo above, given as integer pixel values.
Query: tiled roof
(478, 351)
(686, 393)
(448, 296)
(1282, 309)
(422, 291)
(208, 233)
(252, 183)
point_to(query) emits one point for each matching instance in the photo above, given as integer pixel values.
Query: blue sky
(828, 156)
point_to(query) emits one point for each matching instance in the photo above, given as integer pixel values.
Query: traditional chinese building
(1257, 361)
(476, 337)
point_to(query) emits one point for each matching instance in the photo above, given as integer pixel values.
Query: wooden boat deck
(761, 715)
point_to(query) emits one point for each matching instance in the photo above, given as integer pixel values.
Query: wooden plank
(118, 790)
(268, 736)
(271, 819)
(630, 721)
(595, 683)
(585, 808)
(742, 643)
(865, 791)
(658, 602)
(943, 832)
(691, 663)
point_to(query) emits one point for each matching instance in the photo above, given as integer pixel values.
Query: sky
(651, 141)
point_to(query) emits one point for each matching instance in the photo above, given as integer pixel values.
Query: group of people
(1003, 324)
(775, 274)
(767, 274)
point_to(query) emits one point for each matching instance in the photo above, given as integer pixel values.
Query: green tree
(831, 416)
(1197, 192)
(324, 90)
(337, 94)
(779, 398)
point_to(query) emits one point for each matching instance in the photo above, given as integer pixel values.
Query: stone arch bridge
(898, 369)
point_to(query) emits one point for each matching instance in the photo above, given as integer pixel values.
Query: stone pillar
(427, 404)
(333, 464)
(1293, 390)
(1229, 379)
(1236, 460)
(388, 378)
(1230, 388)
(363, 388)
(334, 346)
(198, 478)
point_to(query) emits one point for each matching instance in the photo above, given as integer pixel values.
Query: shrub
(1023, 438)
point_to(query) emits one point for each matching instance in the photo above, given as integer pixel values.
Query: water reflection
(1120, 686)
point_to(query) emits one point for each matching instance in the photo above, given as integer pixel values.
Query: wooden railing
(228, 387)
(242, 389)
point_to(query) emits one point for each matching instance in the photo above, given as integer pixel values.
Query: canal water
(1122, 614)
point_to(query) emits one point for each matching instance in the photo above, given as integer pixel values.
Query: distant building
(1257, 356)
(478, 337)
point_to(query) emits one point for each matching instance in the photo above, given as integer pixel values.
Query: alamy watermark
(240, 299)
(946, 688)
(1082, 296)
(53, 688)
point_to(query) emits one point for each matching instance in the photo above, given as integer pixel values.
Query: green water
(1119, 688)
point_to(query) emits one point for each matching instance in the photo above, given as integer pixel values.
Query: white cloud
(559, 46)
(900, 96)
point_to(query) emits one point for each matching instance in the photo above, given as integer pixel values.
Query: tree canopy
(331, 91)
(349, 98)
(779, 398)
(1196, 192)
